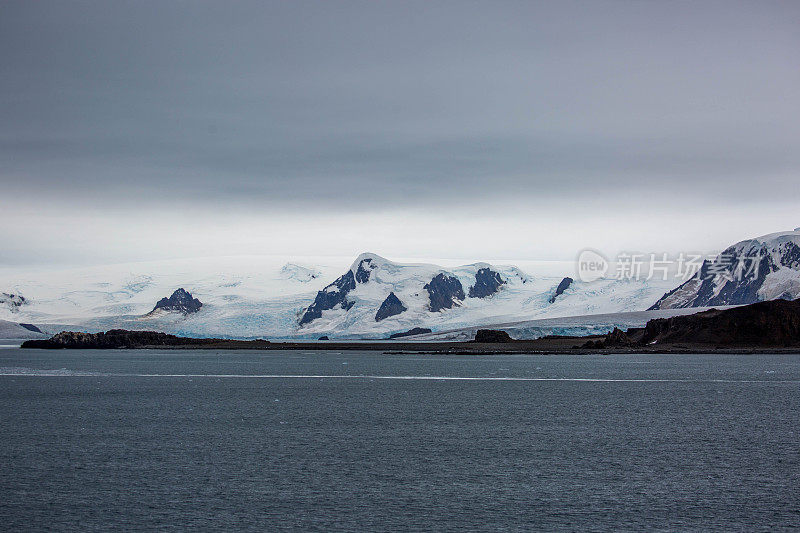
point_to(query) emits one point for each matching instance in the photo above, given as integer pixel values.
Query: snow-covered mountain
(376, 297)
(376, 294)
(753, 270)
(279, 297)
(373, 297)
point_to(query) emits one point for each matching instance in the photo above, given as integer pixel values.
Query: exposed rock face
(391, 306)
(702, 290)
(564, 285)
(331, 296)
(31, 327)
(324, 338)
(773, 323)
(335, 294)
(12, 301)
(180, 301)
(444, 291)
(487, 282)
(116, 338)
(492, 335)
(412, 331)
(747, 272)
(364, 269)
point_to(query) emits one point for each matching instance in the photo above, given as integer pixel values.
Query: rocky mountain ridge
(750, 271)
(430, 288)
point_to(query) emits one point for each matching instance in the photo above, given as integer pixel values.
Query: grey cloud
(290, 104)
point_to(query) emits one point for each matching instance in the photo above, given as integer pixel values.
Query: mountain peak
(365, 264)
(181, 300)
(368, 257)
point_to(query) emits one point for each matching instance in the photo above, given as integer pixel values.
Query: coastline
(543, 346)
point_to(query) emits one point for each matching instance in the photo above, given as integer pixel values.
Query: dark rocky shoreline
(774, 323)
(547, 346)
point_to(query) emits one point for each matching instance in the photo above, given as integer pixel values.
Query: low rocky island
(121, 338)
(492, 335)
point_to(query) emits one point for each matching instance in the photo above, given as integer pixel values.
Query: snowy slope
(242, 296)
(764, 268)
(13, 330)
(572, 325)
(264, 296)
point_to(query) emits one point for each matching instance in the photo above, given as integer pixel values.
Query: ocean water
(362, 441)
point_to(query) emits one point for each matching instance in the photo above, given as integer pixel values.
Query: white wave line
(45, 373)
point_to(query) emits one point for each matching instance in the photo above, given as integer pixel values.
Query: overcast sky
(475, 130)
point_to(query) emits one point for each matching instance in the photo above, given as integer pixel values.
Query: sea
(170, 440)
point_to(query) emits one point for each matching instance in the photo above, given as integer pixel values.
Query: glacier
(267, 296)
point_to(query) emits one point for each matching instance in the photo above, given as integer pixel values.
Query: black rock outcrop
(487, 282)
(616, 337)
(771, 323)
(181, 301)
(492, 335)
(391, 306)
(564, 285)
(31, 327)
(331, 296)
(364, 269)
(324, 338)
(116, 338)
(444, 291)
(412, 331)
